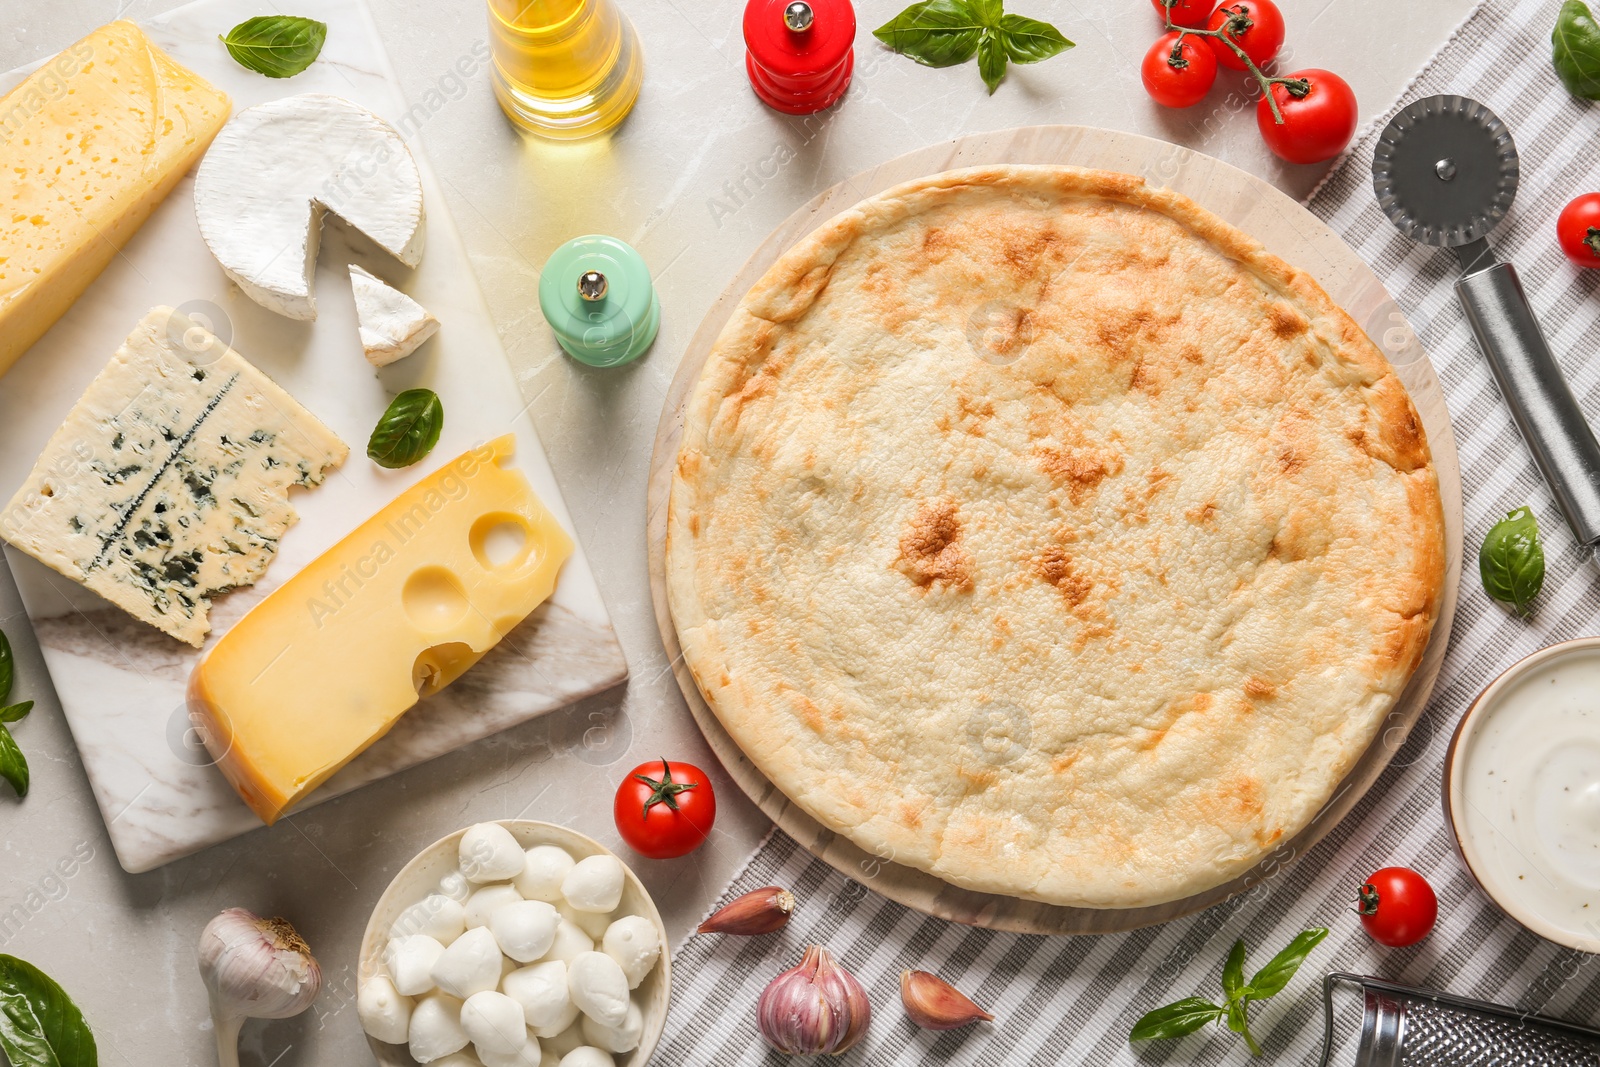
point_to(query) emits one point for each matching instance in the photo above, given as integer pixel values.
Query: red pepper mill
(801, 52)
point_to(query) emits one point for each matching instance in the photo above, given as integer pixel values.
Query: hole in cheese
(434, 599)
(500, 541)
(440, 665)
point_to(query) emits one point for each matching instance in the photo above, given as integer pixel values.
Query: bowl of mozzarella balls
(514, 944)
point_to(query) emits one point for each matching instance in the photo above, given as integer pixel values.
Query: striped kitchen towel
(1074, 999)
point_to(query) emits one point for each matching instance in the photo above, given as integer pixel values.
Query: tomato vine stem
(1237, 22)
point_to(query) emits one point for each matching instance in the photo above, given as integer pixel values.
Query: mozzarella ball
(568, 1021)
(459, 1059)
(435, 1030)
(543, 868)
(489, 853)
(383, 1012)
(624, 1038)
(471, 965)
(569, 943)
(494, 1022)
(599, 988)
(542, 991)
(455, 886)
(594, 884)
(525, 929)
(565, 1041)
(634, 943)
(592, 923)
(409, 961)
(588, 1056)
(436, 915)
(485, 902)
(531, 1054)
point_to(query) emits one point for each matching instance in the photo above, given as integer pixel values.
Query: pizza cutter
(1445, 171)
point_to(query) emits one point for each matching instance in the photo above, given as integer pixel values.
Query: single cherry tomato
(1316, 126)
(1254, 25)
(1189, 13)
(1397, 906)
(1578, 229)
(1179, 75)
(665, 809)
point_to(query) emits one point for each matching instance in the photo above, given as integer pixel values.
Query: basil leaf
(1270, 980)
(1239, 1023)
(1175, 1020)
(408, 430)
(988, 11)
(16, 712)
(8, 667)
(1511, 561)
(935, 33)
(991, 59)
(279, 46)
(1576, 44)
(1030, 41)
(13, 768)
(40, 1026)
(1233, 972)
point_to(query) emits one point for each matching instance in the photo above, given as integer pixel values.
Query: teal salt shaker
(597, 295)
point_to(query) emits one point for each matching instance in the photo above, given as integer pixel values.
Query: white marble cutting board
(121, 682)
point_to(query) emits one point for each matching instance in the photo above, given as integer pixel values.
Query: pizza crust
(1039, 530)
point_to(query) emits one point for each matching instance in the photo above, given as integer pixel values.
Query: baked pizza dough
(1038, 529)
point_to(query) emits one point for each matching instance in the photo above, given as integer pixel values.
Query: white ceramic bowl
(421, 877)
(1473, 749)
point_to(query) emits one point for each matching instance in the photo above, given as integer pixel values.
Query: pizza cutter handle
(1543, 406)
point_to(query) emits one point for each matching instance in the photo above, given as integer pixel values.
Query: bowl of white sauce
(1522, 792)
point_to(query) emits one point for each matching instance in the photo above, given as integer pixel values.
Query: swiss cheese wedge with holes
(1038, 529)
(399, 609)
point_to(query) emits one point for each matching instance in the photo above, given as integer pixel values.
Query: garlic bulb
(817, 1007)
(254, 968)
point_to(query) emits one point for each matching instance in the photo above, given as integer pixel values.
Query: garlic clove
(384, 1013)
(636, 946)
(934, 1004)
(253, 968)
(599, 988)
(760, 911)
(817, 1007)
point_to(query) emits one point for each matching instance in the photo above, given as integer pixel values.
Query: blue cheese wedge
(168, 484)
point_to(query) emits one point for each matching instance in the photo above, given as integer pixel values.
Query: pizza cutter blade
(1445, 171)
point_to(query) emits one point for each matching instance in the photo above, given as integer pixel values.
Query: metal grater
(1406, 1027)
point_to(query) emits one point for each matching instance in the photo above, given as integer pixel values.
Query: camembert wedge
(168, 483)
(91, 142)
(399, 609)
(392, 324)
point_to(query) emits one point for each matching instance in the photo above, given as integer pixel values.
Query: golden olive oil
(564, 68)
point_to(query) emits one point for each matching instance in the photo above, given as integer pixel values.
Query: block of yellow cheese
(90, 143)
(399, 609)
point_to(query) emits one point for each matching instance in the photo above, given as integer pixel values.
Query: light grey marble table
(695, 179)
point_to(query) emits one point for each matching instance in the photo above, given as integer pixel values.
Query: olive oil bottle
(564, 69)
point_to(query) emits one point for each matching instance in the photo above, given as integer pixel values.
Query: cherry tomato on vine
(665, 809)
(1578, 229)
(1190, 13)
(1316, 126)
(1397, 906)
(1180, 78)
(1260, 38)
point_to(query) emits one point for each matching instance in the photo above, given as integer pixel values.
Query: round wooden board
(1288, 230)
